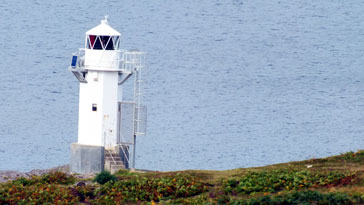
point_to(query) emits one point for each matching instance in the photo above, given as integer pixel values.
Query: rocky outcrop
(11, 175)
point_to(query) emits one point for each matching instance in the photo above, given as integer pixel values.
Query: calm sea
(235, 83)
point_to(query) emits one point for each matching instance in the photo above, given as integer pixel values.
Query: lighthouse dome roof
(103, 30)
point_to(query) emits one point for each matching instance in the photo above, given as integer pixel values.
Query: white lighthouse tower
(107, 126)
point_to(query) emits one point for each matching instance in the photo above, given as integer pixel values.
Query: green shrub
(37, 194)
(352, 157)
(57, 178)
(48, 188)
(104, 177)
(124, 173)
(198, 200)
(284, 179)
(50, 178)
(303, 197)
(149, 189)
(22, 181)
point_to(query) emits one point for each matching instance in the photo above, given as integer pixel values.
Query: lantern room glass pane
(97, 45)
(102, 42)
(110, 44)
(91, 41)
(88, 46)
(107, 42)
(116, 42)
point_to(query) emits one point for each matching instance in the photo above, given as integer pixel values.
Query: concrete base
(86, 159)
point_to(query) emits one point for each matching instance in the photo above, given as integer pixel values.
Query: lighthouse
(107, 125)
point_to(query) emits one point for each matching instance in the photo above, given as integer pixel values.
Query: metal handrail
(112, 158)
(121, 139)
(126, 156)
(126, 60)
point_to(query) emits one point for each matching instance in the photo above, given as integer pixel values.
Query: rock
(12, 175)
(81, 183)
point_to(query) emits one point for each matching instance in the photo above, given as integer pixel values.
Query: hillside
(332, 180)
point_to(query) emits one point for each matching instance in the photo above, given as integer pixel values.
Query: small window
(94, 107)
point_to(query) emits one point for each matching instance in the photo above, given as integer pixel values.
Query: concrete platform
(86, 159)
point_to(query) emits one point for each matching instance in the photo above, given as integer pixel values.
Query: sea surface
(228, 84)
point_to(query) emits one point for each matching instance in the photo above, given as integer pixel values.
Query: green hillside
(334, 180)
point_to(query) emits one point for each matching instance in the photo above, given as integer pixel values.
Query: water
(230, 84)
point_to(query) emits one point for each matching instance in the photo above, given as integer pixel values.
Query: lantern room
(102, 47)
(102, 37)
(102, 42)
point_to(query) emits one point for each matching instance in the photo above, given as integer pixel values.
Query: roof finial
(105, 20)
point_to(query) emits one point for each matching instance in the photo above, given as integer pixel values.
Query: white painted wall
(99, 127)
(89, 123)
(101, 59)
(110, 107)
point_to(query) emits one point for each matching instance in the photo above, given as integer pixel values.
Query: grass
(333, 180)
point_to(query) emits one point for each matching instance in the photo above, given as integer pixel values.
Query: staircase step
(117, 166)
(114, 162)
(112, 154)
(112, 159)
(117, 163)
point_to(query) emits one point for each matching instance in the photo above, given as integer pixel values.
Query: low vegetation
(104, 177)
(283, 179)
(334, 180)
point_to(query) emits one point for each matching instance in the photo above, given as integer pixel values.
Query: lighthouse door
(109, 133)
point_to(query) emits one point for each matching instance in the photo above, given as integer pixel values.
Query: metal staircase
(132, 115)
